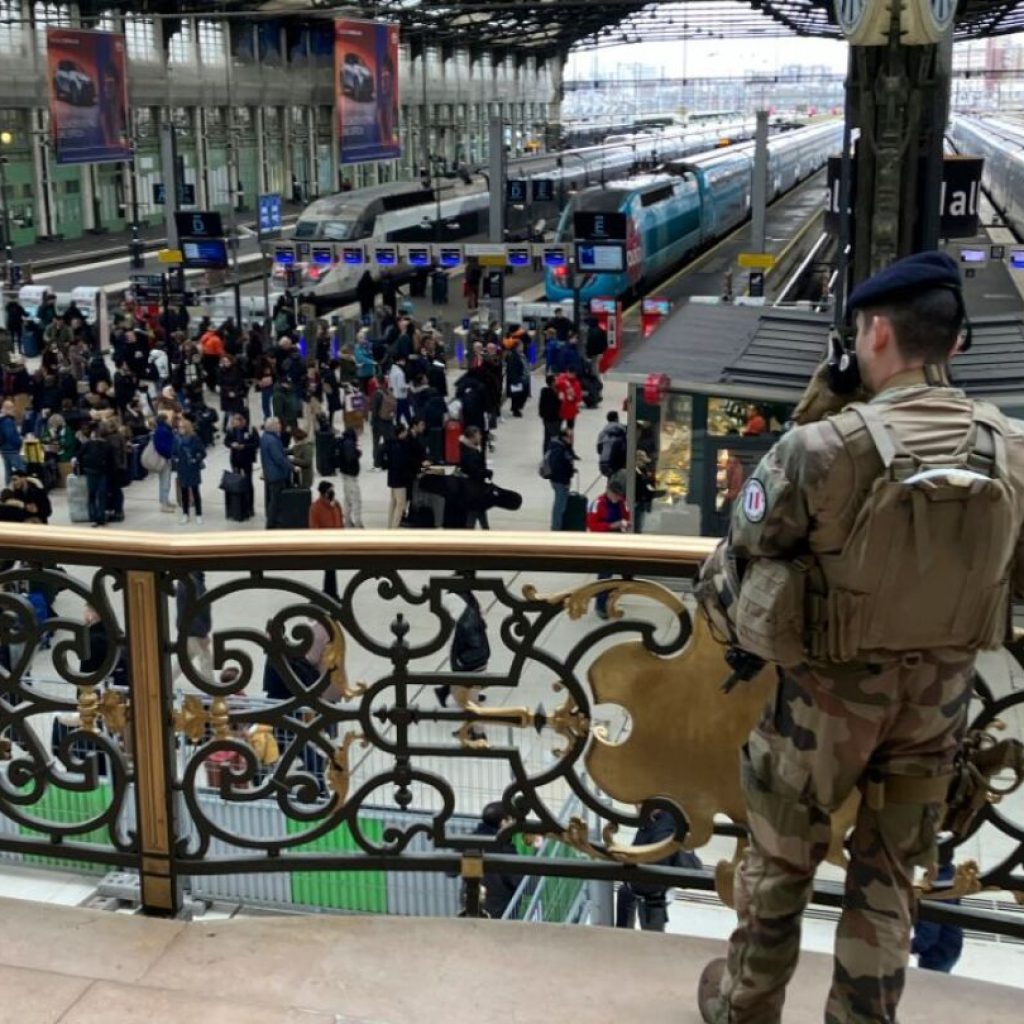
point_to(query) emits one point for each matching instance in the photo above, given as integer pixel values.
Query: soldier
(871, 555)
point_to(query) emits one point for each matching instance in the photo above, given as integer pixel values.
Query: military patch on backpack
(755, 501)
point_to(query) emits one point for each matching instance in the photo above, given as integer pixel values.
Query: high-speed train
(1002, 146)
(686, 205)
(458, 207)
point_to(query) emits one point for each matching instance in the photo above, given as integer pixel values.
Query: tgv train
(458, 207)
(686, 205)
(1002, 146)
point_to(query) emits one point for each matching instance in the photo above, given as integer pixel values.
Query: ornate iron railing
(254, 686)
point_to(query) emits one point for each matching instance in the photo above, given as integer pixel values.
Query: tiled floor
(86, 967)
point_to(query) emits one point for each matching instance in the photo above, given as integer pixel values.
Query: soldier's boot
(709, 992)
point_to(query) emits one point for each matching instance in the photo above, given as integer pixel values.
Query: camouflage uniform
(835, 726)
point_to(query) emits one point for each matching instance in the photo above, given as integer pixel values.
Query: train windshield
(336, 229)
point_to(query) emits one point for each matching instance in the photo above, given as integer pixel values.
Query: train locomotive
(688, 204)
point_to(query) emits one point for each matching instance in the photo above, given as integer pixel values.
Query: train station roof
(555, 26)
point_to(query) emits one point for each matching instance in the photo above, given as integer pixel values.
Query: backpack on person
(545, 469)
(470, 648)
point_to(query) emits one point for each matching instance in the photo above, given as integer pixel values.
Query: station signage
(323, 255)
(958, 197)
(385, 256)
(271, 216)
(199, 224)
(519, 257)
(285, 255)
(543, 190)
(600, 227)
(353, 255)
(516, 191)
(418, 256)
(204, 253)
(450, 256)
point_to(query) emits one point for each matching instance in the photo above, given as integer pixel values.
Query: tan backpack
(928, 560)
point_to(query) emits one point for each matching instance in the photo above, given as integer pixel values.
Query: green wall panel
(364, 891)
(71, 807)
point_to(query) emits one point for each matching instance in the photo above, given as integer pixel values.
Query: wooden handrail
(409, 548)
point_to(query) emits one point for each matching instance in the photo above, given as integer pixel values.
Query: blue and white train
(686, 205)
(1001, 144)
(457, 208)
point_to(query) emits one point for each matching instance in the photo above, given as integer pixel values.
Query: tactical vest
(928, 560)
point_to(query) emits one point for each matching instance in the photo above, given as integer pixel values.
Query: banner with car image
(366, 90)
(88, 96)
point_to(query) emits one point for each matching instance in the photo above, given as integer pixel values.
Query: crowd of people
(289, 404)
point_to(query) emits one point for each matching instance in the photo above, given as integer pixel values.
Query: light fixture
(6, 138)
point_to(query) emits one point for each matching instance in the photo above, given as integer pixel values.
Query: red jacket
(570, 393)
(603, 514)
(325, 515)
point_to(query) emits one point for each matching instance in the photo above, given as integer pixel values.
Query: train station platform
(86, 967)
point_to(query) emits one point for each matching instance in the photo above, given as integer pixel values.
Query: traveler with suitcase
(10, 440)
(242, 442)
(609, 513)
(558, 466)
(96, 462)
(277, 470)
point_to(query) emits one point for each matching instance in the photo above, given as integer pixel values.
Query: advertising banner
(366, 90)
(88, 86)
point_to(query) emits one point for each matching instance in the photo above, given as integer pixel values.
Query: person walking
(398, 385)
(570, 394)
(189, 460)
(560, 463)
(911, 572)
(383, 407)
(349, 454)
(325, 514)
(277, 470)
(476, 478)
(517, 377)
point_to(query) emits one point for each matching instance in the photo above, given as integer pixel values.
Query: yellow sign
(170, 256)
(493, 260)
(757, 260)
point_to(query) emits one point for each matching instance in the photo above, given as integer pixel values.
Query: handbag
(151, 459)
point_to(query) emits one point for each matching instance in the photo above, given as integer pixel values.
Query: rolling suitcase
(295, 505)
(575, 518)
(452, 433)
(78, 499)
(136, 470)
(325, 453)
(30, 340)
(235, 487)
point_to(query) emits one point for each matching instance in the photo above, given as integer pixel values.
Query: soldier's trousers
(803, 762)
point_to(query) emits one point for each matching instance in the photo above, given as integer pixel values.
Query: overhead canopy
(555, 26)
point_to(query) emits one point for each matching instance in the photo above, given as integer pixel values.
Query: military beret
(905, 278)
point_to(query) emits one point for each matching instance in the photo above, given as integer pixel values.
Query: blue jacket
(189, 455)
(10, 436)
(276, 467)
(163, 440)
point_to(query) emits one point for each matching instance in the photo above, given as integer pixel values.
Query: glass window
(669, 445)
(141, 37)
(182, 48)
(212, 42)
(11, 29)
(47, 15)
